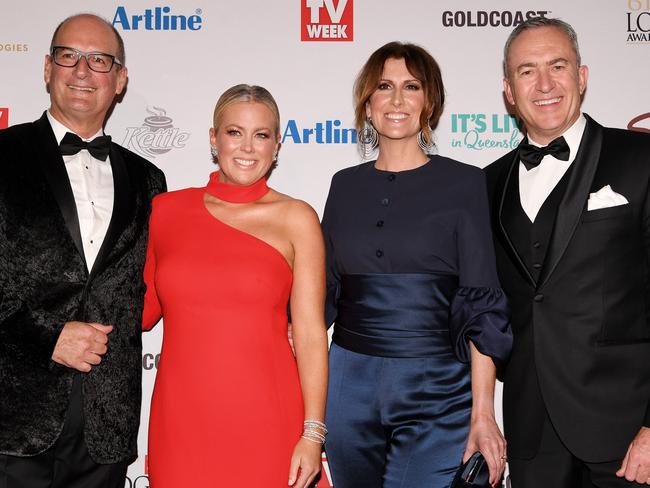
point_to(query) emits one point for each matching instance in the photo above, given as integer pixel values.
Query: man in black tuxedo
(571, 215)
(73, 234)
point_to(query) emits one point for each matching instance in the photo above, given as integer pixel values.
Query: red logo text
(4, 118)
(326, 20)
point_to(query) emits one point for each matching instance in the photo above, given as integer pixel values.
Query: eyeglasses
(69, 58)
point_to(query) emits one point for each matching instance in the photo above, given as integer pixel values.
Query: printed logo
(138, 482)
(326, 477)
(13, 48)
(640, 123)
(158, 18)
(325, 132)
(485, 18)
(150, 361)
(638, 21)
(325, 20)
(156, 136)
(484, 131)
(4, 117)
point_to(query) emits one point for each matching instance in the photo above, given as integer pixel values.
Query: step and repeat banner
(182, 54)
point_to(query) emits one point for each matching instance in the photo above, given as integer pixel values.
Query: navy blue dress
(411, 278)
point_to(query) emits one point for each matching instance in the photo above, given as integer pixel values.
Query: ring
(504, 457)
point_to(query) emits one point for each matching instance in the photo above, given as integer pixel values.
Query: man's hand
(636, 464)
(81, 345)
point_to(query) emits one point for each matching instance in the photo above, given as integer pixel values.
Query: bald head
(119, 51)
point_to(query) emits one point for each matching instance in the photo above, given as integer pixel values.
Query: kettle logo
(156, 136)
(322, 20)
(634, 123)
(4, 118)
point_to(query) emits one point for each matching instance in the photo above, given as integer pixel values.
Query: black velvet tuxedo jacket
(44, 283)
(581, 330)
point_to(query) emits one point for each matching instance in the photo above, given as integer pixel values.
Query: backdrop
(182, 54)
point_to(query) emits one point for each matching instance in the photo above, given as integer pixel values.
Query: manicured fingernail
(290, 482)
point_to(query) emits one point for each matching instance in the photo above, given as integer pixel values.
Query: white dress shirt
(92, 186)
(536, 184)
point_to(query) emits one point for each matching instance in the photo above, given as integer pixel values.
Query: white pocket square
(604, 198)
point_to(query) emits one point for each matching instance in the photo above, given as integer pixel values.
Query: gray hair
(534, 23)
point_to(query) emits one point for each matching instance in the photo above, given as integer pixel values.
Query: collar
(572, 136)
(59, 129)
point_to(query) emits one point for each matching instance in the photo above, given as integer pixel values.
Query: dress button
(379, 253)
(539, 297)
(536, 245)
(537, 265)
(391, 177)
(380, 223)
(385, 201)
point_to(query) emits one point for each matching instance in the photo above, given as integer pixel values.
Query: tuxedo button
(539, 297)
(537, 265)
(391, 177)
(380, 223)
(536, 245)
(385, 202)
(379, 253)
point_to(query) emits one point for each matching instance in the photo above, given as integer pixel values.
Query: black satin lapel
(53, 167)
(510, 247)
(122, 207)
(575, 198)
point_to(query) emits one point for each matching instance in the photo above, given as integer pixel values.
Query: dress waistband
(395, 315)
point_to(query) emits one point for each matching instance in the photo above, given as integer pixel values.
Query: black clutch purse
(473, 474)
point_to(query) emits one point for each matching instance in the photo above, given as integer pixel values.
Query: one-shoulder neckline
(208, 214)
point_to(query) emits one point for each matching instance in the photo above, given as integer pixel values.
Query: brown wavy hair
(420, 64)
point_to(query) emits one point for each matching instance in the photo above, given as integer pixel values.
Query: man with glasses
(74, 209)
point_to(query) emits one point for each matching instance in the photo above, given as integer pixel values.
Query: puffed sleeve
(479, 310)
(333, 277)
(152, 309)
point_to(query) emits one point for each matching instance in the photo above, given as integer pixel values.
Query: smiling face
(544, 82)
(80, 97)
(395, 106)
(246, 141)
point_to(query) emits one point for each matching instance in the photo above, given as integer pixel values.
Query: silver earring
(275, 158)
(369, 139)
(426, 143)
(213, 151)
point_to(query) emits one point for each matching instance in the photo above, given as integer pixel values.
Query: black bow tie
(99, 147)
(531, 155)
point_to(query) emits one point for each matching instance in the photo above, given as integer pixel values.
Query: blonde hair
(246, 93)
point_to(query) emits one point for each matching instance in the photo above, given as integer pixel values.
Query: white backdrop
(176, 75)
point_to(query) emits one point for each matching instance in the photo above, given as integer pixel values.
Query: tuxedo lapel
(575, 197)
(122, 207)
(52, 165)
(505, 206)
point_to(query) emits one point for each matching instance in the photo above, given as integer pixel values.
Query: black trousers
(67, 463)
(555, 467)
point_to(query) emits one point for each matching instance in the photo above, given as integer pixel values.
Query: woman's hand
(305, 463)
(485, 436)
